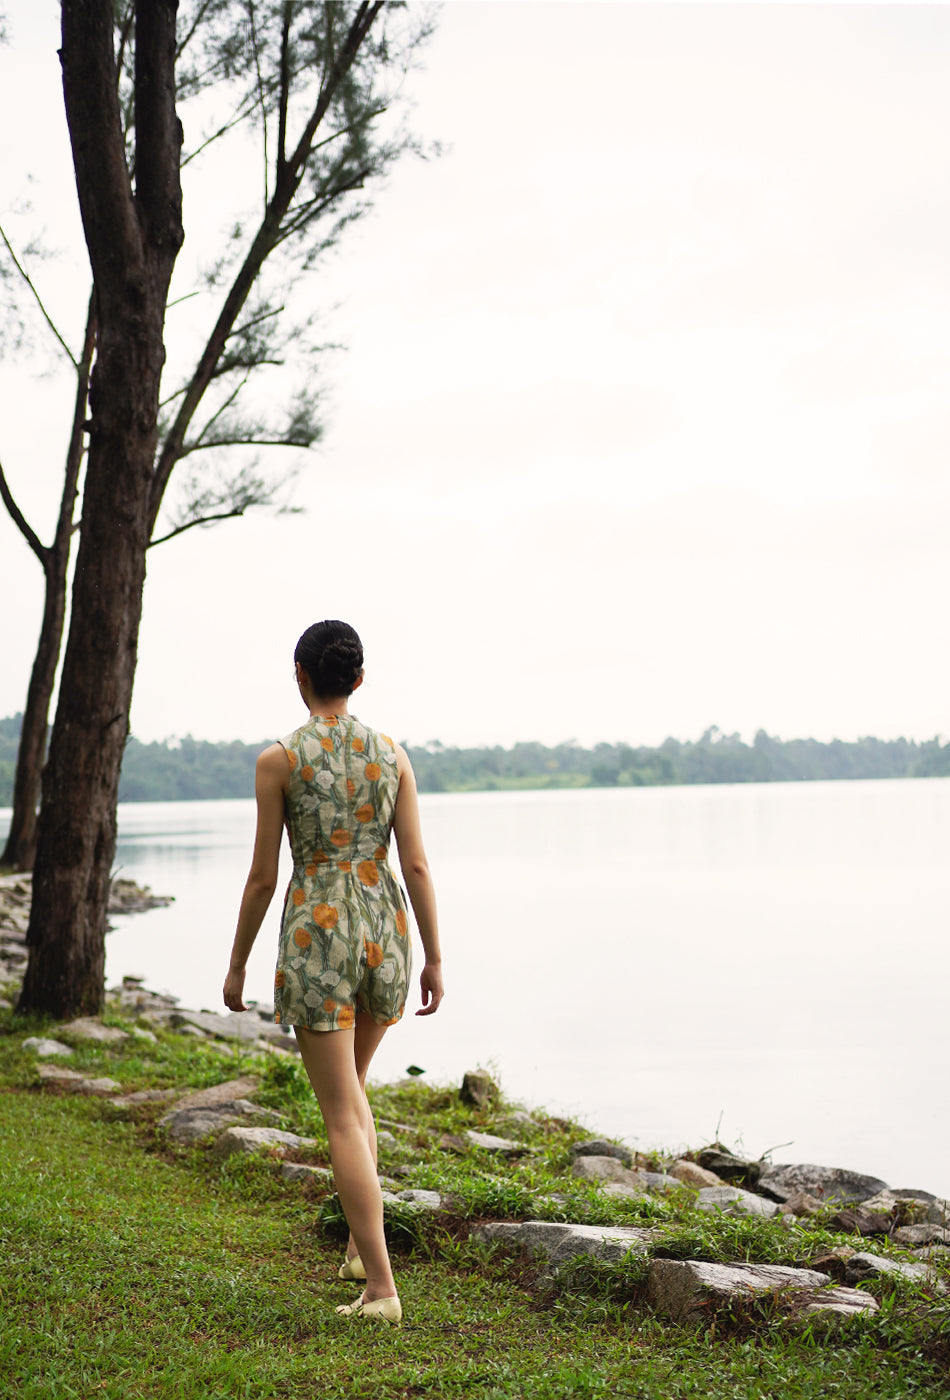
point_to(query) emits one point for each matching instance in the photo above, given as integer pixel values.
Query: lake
(766, 963)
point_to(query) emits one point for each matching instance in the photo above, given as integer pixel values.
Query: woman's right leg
(330, 1060)
(366, 1042)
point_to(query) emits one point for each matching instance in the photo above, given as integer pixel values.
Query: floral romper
(344, 936)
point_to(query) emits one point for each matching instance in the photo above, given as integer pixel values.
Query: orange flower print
(394, 1020)
(310, 871)
(299, 897)
(372, 771)
(302, 938)
(279, 980)
(345, 865)
(331, 721)
(346, 1018)
(306, 773)
(388, 740)
(358, 746)
(367, 872)
(329, 1005)
(340, 837)
(379, 853)
(325, 916)
(366, 813)
(374, 953)
(402, 923)
(291, 758)
(326, 743)
(350, 786)
(320, 857)
(277, 1018)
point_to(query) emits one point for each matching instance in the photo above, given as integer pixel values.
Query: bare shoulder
(273, 764)
(403, 766)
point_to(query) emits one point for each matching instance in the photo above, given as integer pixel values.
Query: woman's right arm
(407, 828)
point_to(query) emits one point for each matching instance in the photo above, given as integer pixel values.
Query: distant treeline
(188, 769)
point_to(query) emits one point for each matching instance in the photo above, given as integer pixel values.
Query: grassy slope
(134, 1269)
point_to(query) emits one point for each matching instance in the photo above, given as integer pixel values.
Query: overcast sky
(643, 420)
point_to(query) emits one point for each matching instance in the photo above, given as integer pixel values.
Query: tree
(260, 55)
(320, 68)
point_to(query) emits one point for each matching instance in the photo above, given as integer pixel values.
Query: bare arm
(270, 785)
(415, 869)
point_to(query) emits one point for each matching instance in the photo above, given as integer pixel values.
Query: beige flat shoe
(352, 1269)
(386, 1309)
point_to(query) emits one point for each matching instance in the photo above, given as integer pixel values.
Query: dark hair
(332, 655)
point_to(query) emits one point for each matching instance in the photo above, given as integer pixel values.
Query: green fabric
(344, 938)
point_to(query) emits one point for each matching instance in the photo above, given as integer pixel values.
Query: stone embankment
(125, 897)
(823, 1291)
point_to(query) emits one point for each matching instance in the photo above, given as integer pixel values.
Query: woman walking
(343, 964)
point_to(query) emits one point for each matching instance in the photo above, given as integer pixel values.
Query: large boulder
(688, 1290)
(732, 1200)
(601, 1147)
(247, 1140)
(559, 1242)
(478, 1089)
(781, 1181)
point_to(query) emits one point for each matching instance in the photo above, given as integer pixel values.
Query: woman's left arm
(270, 784)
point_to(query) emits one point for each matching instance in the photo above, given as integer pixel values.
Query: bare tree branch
(37, 298)
(20, 521)
(190, 525)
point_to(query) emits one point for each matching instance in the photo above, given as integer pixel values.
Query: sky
(641, 422)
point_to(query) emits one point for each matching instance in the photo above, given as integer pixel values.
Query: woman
(344, 960)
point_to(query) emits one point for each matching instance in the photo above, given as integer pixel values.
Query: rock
(244, 1140)
(606, 1169)
(478, 1089)
(40, 1045)
(692, 1174)
(225, 1092)
(451, 1142)
(938, 1212)
(58, 1074)
(560, 1242)
(126, 897)
(686, 1290)
(103, 1085)
(732, 1200)
(140, 1033)
(865, 1266)
(728, 1167)
(427, 1200)
(236, 1025)
(600, 1147)
(206, 1111)
(918, 1235)
(503, 1146)
(860, 1222)
(829, 1304)
(802, 1204)
(297, 1171)
(395, 1127)
(386, 1139)
(144, 1096)
(781, 1181)
(88, 1028)
(186, 1029)
(913, 1193)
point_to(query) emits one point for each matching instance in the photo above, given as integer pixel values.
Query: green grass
(133, 1269)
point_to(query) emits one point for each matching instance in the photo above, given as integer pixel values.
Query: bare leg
(331, 1063)
(368, 1036)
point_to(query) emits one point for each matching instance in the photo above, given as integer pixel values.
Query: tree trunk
(133, 243)
(20, 850)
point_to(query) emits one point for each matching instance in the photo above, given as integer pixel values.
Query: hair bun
(331, 653)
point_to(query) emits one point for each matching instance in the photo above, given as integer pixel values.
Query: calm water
(769, 961)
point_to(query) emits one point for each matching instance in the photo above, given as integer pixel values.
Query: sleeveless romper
(344, 936)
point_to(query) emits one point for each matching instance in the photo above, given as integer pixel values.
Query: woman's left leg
(331, 1063)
